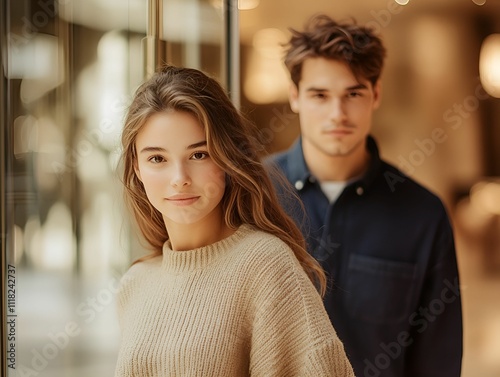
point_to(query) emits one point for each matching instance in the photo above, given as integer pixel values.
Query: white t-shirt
(333, 189)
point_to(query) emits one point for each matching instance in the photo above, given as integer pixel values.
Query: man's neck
(337, 168)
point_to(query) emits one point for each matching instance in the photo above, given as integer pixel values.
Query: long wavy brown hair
(249, 196)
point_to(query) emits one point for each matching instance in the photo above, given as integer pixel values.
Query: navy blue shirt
(387, 247)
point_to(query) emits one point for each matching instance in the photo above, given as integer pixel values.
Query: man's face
(335, 108)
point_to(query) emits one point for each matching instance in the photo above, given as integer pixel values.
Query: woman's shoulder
(263, 252)
(139, 270)
(262, 243)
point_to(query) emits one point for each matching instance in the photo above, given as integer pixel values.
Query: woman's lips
(182, 200)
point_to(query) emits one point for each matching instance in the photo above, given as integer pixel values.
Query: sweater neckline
(189, 260)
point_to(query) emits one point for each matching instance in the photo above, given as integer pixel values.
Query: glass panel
(194, 31)
(70, 68)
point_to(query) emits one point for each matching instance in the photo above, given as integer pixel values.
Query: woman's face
(180, 178)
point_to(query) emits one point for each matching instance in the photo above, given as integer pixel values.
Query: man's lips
(337, 131)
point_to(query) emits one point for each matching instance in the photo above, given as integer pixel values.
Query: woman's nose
(180, 176)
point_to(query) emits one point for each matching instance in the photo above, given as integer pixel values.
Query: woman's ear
(137, 171)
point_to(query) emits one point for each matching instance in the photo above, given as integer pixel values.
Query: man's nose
(337, 111)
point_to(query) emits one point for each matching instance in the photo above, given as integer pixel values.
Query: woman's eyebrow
(153, 149)
(197, 145)
(161, 149)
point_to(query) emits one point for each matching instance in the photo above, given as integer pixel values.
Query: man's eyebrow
(353, 87)
(357, 87)
(314, 89)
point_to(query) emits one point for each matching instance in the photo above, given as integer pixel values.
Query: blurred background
(70, 67)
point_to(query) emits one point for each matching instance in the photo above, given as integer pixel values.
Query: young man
(384, 240)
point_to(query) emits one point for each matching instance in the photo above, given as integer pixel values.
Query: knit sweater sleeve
(291, 332)
(128, 288)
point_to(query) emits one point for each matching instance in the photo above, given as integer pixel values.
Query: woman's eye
(156, 159)
(199, 155)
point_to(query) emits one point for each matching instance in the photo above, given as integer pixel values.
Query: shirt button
(359, 190)
(299, 185)
(312, 179)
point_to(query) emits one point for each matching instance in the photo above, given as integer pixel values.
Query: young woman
(229, 289)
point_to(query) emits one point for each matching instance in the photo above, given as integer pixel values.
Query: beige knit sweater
(240, 307)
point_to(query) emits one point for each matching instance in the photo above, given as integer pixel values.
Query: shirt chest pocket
(379, 290)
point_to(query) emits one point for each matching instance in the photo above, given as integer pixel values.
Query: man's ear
(377, 94)
(293, 97)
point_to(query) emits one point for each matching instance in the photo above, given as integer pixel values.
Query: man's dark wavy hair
(323, 37)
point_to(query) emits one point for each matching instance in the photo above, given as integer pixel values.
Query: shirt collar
(375, 163)
(300, 176)
(298, 172)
